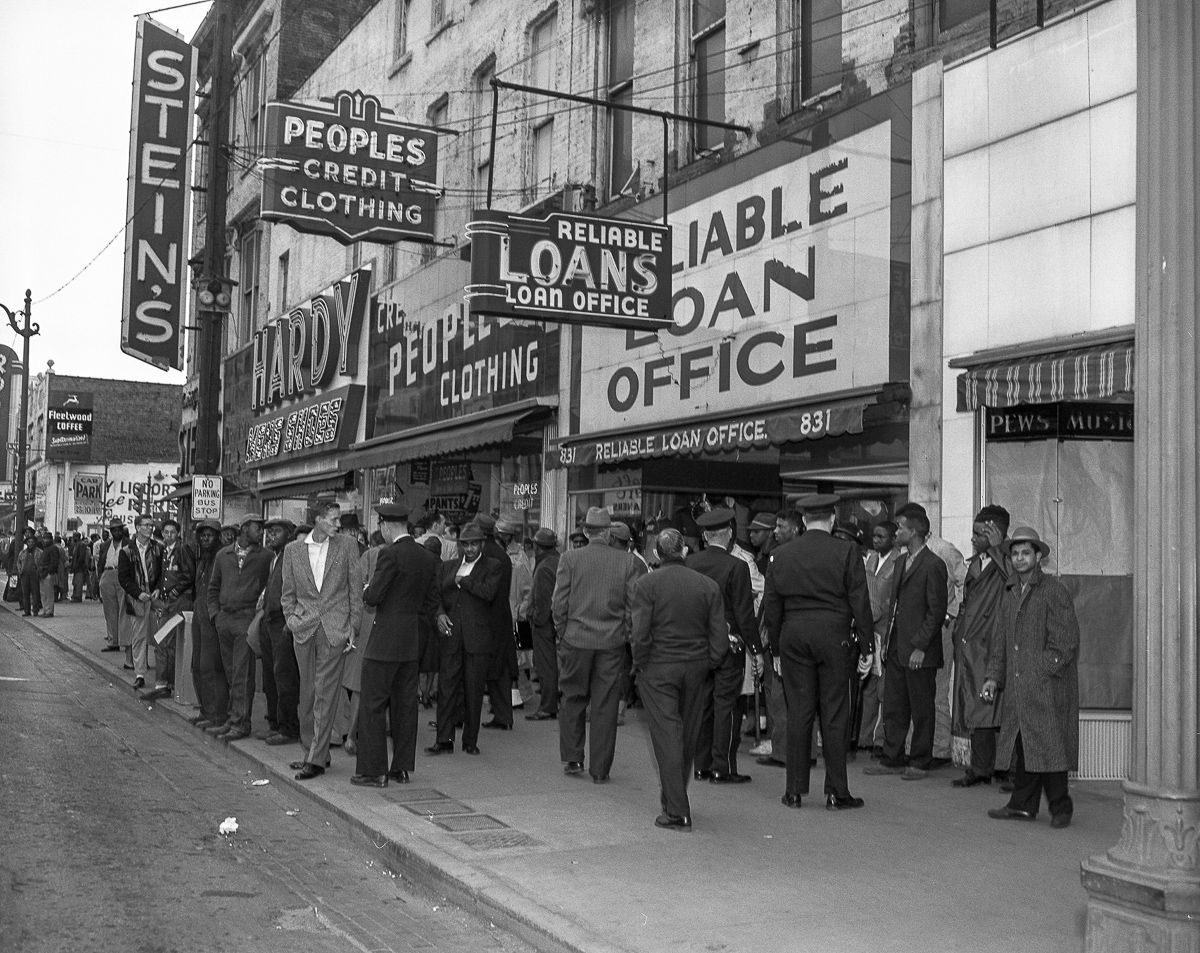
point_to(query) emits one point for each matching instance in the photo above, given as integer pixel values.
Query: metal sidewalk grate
(470, 822)
(497, 840)
(438, 808)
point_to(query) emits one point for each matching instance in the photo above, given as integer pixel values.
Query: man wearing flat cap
(238, 578)
(721, 720)
(1036, 663)
(818, 618)
(404, 593)
(541, 618)
(592, 608)
(279, 654)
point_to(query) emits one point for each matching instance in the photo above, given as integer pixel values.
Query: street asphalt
(920, 868)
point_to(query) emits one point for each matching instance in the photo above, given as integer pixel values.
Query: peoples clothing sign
(430, 360)
(69, 419)
(348, 169)
(570, 268)
(781, 294)
(159, 193)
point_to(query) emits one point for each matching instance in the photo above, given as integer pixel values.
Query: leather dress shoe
(969, 780)
(499, 725)
(400, 777)
(369, 780)
(279, 738)
(835, 803)
(220, 729)
(235, 734)
(768, 762)
(541, 716)
(309, 771)
(298, 765)
(912, 773)
(1007, 813)
(882, 768)
(470, 749)
(155, 694)
(107, 648)
(720, 777)
(791, 800)
(1061, 820)
(672, 823)
(703, 775)
(139, 682)
(127, 666)
(441, 747)
(202, 723)
(573, 767)
(196, 719)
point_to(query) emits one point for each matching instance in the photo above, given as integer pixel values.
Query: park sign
(348, 169)
(570, 268)
(159, 193)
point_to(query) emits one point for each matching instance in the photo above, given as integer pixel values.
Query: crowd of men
(838, 629)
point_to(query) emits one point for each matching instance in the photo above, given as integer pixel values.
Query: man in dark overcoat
(678, 635)
(818, 619)
(404, 592)
(541, 618)
(503, 668)
(1037, 666)
(975, 634)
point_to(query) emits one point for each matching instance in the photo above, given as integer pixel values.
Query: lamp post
(27, 331)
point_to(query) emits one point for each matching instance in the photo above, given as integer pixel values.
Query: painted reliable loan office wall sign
(780, 294)
(303, 353)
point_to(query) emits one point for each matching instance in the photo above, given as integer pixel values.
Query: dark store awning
(448, 436)
(1083, 373)
(304, 485)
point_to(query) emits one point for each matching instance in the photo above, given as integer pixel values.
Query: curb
(422, 862)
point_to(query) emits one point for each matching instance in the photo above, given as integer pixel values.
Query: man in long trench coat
(975, 635)
(1036, 665)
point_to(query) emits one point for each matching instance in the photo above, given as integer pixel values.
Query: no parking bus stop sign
(207, 499)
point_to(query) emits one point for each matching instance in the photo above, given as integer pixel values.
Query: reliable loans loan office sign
(301, 354)
(348, 169)
(570, 268)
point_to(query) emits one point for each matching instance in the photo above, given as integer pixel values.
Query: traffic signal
(214, 295)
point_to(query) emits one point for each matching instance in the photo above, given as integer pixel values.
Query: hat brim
(1037, 544)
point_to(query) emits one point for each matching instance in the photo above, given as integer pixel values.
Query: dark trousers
(1028, 787)
(499, 690)
(545, 662)
(589, 676)
(816, 676)
(462, 677)
(721, 720)
(908, 696)
(270, 690)
(78, 579)
(389, 689)
(238, 662)
(983, 751)
(286, 677)
(31, 593)
(673, 696)
(207, 664)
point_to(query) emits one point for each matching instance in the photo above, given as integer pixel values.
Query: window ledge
(399, 63)
(440, 29)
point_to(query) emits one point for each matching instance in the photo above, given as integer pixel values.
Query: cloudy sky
(66, 76)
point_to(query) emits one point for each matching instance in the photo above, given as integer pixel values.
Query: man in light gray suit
(322, 604)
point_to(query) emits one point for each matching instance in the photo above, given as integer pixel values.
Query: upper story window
(620, 90)
(818, 64)
(281, 292)
(400, 47)
(247, 290)
(437, 13)
(952, 13)
(708, 70)
(542, 75)
(438, 116)
(482, 121)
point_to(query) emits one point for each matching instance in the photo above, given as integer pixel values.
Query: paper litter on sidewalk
(260, 782)
(228, 826)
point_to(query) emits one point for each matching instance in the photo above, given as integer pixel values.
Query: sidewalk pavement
(920, 868)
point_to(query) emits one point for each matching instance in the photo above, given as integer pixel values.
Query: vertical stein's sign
(349, 170)
(164, 76)
(570, 268)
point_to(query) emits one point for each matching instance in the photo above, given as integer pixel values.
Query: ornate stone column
(1144, 893)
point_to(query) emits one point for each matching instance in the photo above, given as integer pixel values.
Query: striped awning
(1093, 373)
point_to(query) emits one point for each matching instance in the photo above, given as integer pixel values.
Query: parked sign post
(207, 497)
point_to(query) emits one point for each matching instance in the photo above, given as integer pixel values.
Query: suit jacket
(133, 576)
(336, 607)
(817, 581)
(544, 571)
(678, 616)
(732, 577)
(502, 617)
(593, 596)
(468, 602)
(179, 575)
(881, 586)
(920, 600)
(403, 590)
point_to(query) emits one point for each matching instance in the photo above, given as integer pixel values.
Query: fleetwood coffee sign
(349, 170)
(164, 77)
(570, 268)
(69, 418)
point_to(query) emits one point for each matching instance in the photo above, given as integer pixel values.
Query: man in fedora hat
(541, 617)
(468, 586)
(592, 608)
(112, 596)
(278, 652)
(818, 619)
(506, 663)
(1036, 661)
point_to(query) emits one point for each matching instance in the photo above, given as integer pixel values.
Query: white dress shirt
(317, 554)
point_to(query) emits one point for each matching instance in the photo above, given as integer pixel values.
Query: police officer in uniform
(816, 606)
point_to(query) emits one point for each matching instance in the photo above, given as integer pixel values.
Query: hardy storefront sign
(348, 169)
(572, 268)
(781, 293)
(430, 360)
(164, 80)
